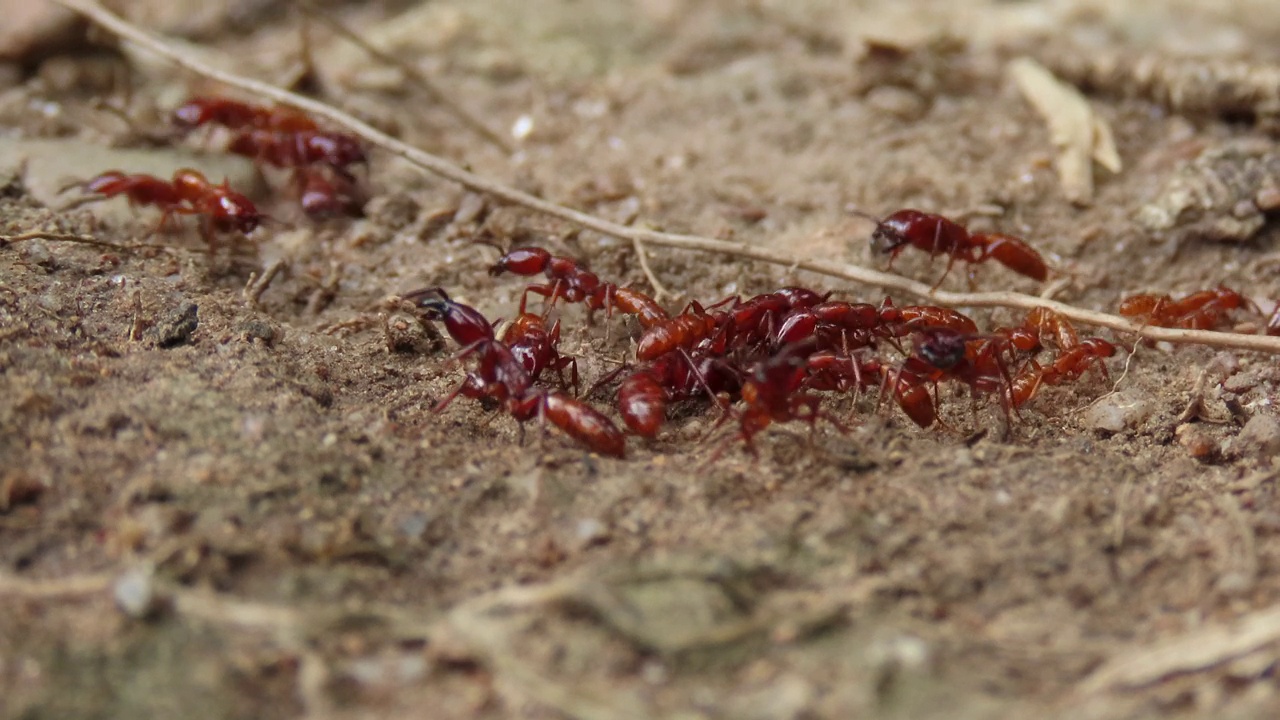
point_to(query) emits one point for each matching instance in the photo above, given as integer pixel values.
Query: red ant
(573, 282)
(1068, 366)
(300, 148)
(287, 138)
(773, 392)
(745, 324)
(189, 193)
(644, 395)
(1204, 310)
(535, 346)
(938, 235)
(500, 375)
(323, 194)
(902, 321)
(685, 330)
(942, 354)
(237, 115)
(842, 371)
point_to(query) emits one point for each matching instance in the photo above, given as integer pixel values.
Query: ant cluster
(765, 359)
(277, 136)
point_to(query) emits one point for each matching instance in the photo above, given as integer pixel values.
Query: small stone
(408, 335)
(1117, 412)
(1197, 441)
(135, 594)
(176, 328)
(591, 531)
(259, 331)
(1240, 382)
(1260, 437)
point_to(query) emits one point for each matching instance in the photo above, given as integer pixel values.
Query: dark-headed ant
(500, 375)
(938, 235)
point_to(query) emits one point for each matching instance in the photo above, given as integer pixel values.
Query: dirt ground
(241, 502)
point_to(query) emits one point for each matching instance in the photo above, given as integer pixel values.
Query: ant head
(190, 114)
(888, 236)
(940, 347)
(342, 150)
(235, 211)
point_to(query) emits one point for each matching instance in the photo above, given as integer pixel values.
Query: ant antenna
(850, 209)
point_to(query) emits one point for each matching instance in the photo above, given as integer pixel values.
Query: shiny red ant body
(774, 392)
(644, 394)
(902, 321)
(188, 193)
(1204, 310)
(534, 344)
(286, 138)
(574, 283)
(300, 148)
(745, 324)
(1041, 325)
(1067, 367)
(938, 235)
(944, 354)
(324, 194)
(502, 376)
(237, 115)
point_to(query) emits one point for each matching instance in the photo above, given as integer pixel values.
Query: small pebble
(1241, 382)
(257, 330)
(591, 531)
(1120, 411)
(135, 594)
(1197, 441)
(1260, 437)
(178, 326)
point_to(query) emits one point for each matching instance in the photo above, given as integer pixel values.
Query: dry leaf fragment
(1080, 135)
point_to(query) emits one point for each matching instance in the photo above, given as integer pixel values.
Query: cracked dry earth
(240, 501)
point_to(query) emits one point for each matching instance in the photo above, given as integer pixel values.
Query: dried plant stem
(643, 236)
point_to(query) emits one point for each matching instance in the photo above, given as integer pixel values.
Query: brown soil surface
(256, 514)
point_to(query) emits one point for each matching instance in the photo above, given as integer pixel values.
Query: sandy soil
(243, 504)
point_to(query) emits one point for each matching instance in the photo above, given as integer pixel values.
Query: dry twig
(643, 236)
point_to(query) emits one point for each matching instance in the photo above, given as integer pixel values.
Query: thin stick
(659, 290)
(830, 268)
(55, 588)
(418, 77)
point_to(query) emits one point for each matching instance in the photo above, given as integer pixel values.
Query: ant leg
(470, 383)
(951, 261)
(702, 380)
